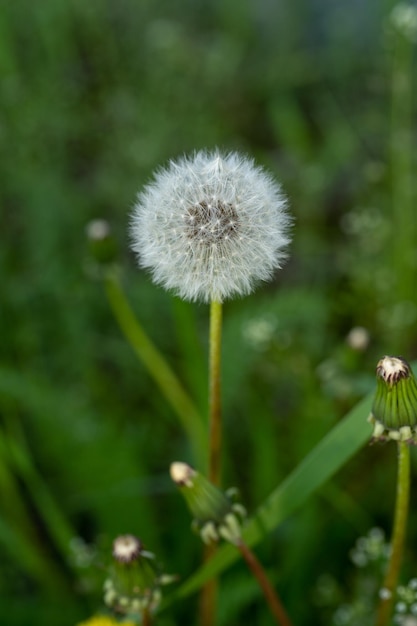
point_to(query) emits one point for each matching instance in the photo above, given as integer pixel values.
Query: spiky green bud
(215, 514)
(394, 410)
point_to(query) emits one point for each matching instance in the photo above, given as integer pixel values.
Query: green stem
(215, 418)
(157, 366)
(208, 598)
(275, 605)
(398, 535)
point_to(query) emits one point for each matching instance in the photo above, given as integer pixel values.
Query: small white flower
(211, 226)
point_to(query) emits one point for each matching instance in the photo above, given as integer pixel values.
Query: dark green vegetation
(94, 95)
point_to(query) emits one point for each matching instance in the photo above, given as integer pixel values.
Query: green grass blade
(23, 465)
(323, 461)
(162, 373)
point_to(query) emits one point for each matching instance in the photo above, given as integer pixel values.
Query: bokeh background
(94, 96)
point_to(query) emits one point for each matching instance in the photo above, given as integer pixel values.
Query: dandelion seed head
(211, 226)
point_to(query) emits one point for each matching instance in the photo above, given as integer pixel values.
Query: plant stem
(269, 592)
(146, 617)
(158, 367)
(398, 535)
(208, 598)
(215, 418)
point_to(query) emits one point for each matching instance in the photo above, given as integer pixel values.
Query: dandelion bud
(394, 410)
(215, 513)
(358, 338)
(211, 226)
(134, 582)
(101, 241)
(126, 548)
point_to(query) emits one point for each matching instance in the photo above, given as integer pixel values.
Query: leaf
(339, 445)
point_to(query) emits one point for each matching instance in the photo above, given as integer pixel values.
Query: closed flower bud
(211, 226)
(394, 409)
(215, 513)
(101, 242)
(134, 582)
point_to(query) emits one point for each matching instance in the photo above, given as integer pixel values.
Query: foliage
(94, 96)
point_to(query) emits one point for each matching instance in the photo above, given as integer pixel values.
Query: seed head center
(211, 222)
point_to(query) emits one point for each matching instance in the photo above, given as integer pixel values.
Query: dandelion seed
(211, 226)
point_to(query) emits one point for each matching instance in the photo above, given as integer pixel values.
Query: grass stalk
(158, 367)
(19, 535)
(24, 466)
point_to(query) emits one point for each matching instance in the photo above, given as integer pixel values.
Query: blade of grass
(19, 536)
(22, 550)
(330, 454)
(21, 461)
(158, 367)
(193, 362)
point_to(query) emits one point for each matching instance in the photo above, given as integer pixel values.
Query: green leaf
(158, 367)
(324, 460)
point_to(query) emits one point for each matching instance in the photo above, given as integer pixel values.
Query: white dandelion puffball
(211, 226)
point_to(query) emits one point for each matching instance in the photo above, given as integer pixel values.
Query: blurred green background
(94, 96)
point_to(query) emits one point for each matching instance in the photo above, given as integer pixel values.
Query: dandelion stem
(208, 596)
(158, 367)
(215, 419)
(269, 592)
(208, 599)
(398, 535)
